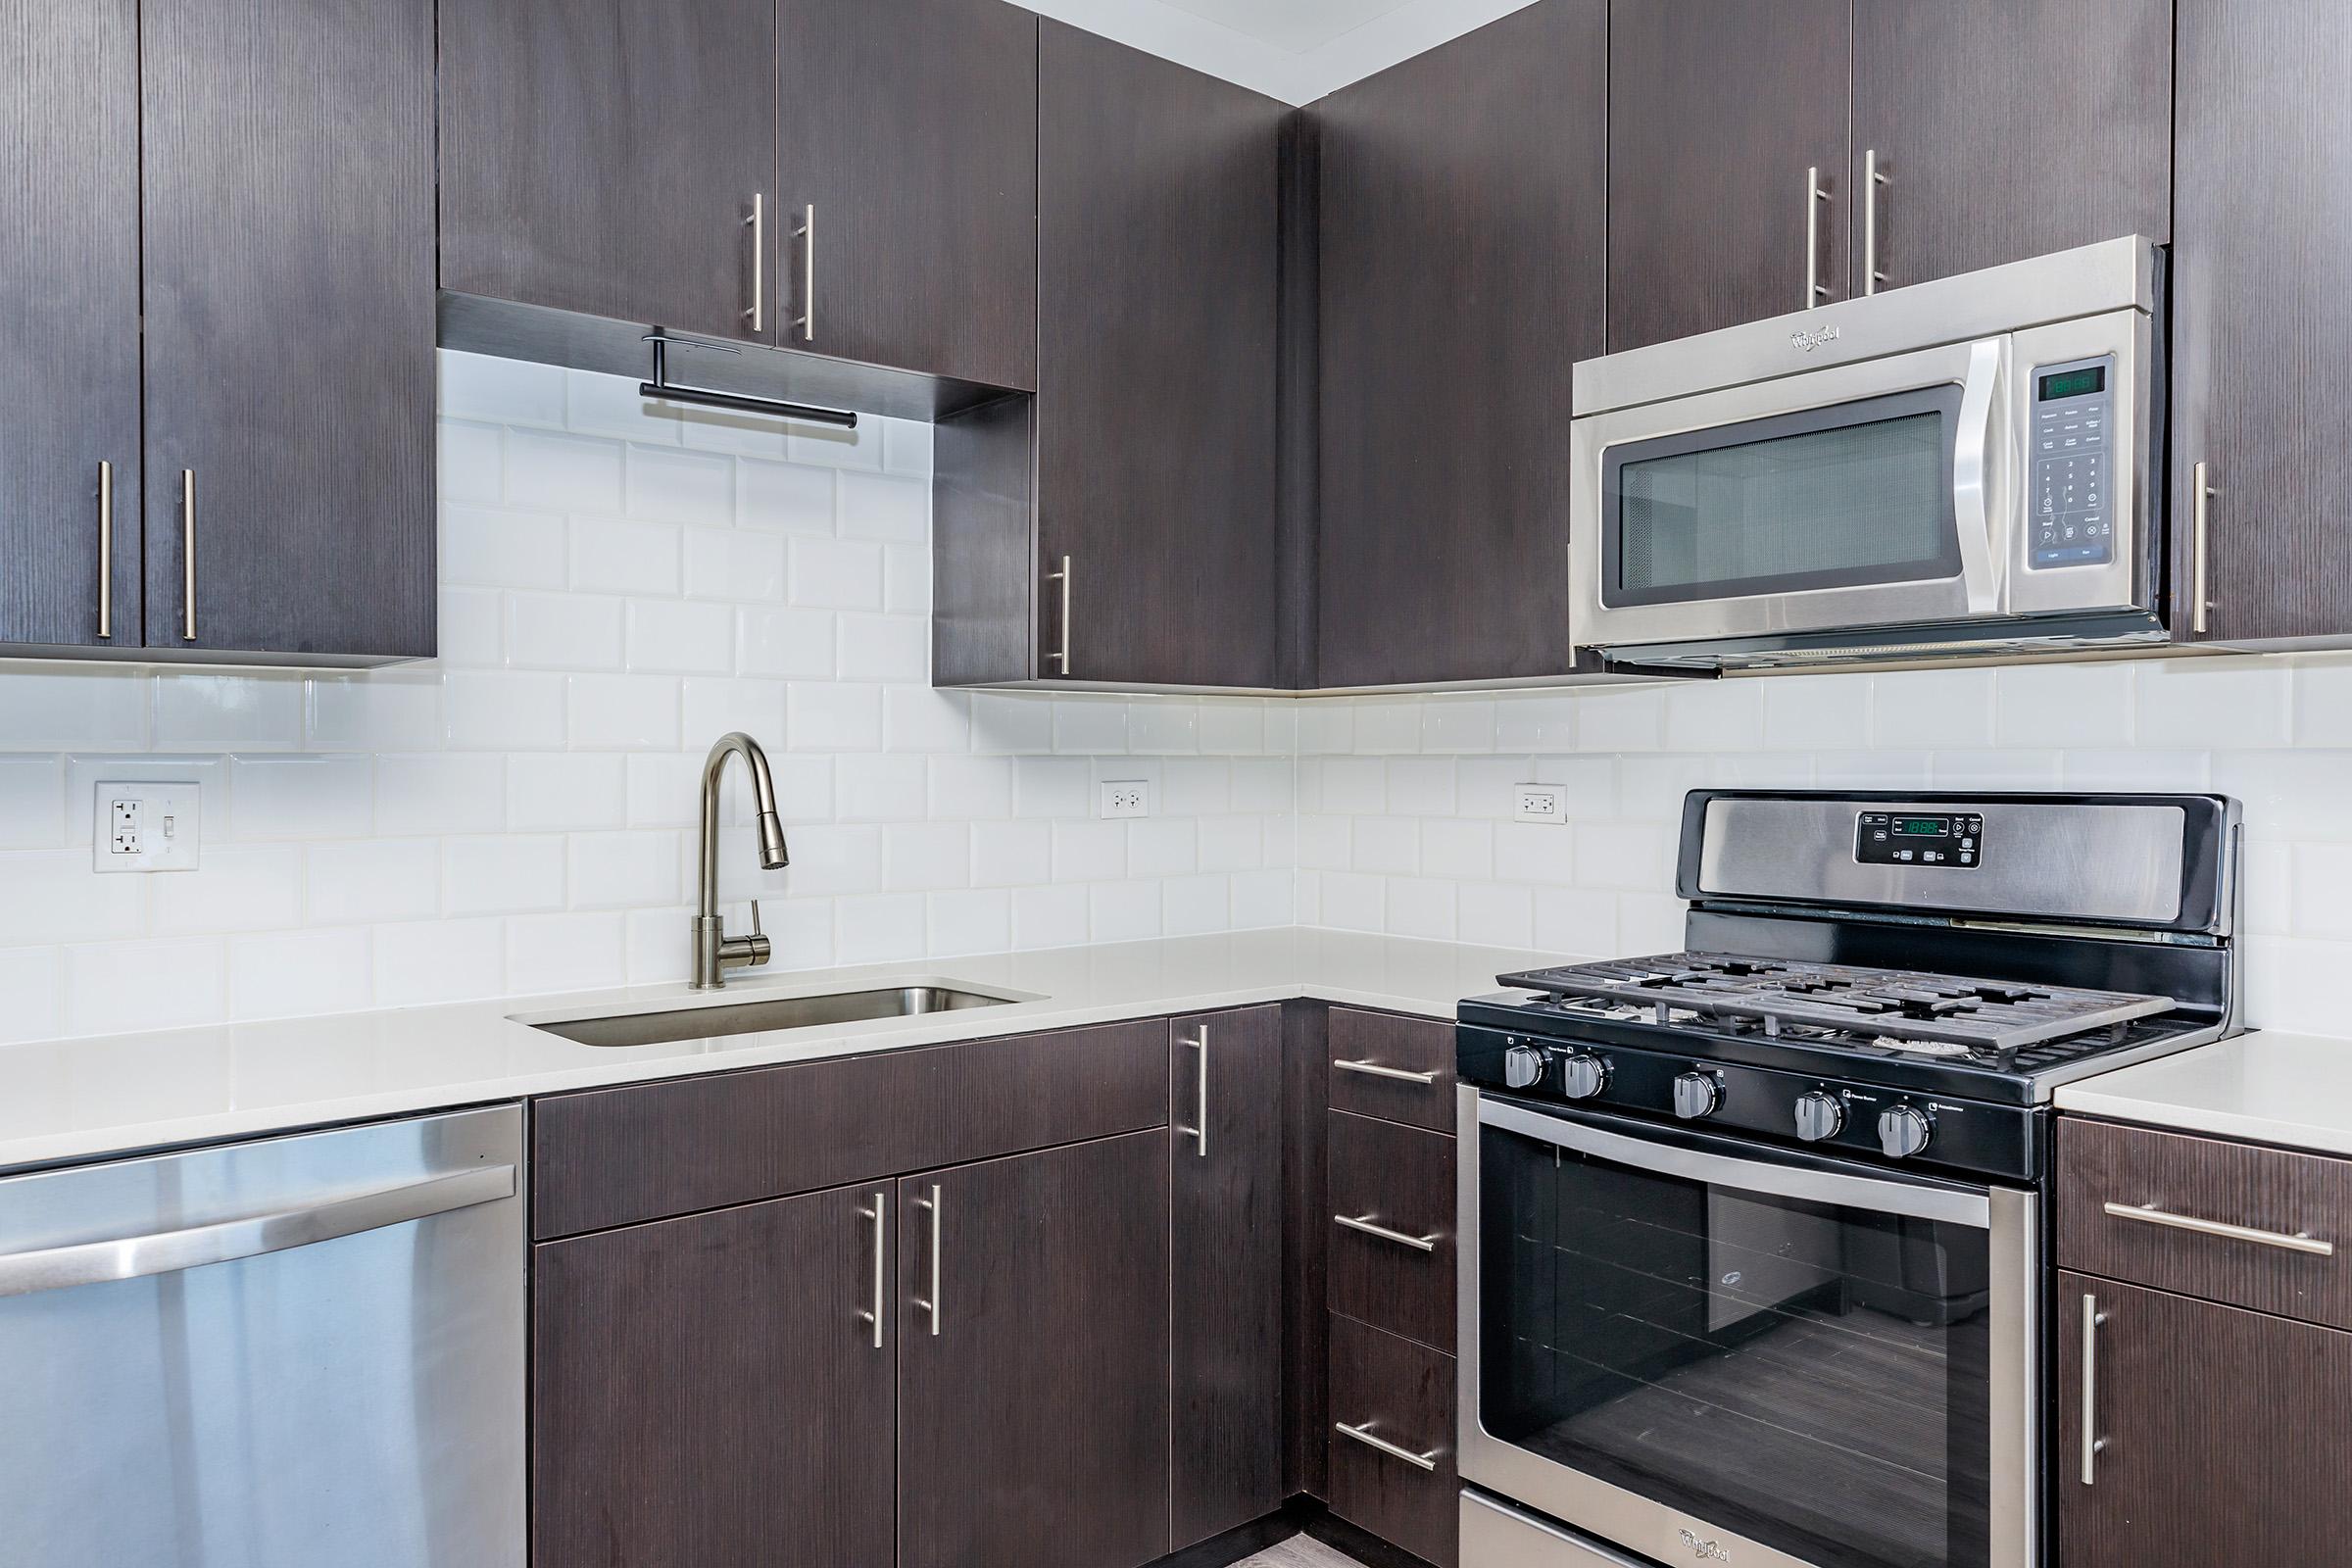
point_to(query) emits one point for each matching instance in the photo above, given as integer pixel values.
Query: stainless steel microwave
(1969, 465)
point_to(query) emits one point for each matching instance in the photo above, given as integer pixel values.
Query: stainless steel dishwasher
(287, 1353)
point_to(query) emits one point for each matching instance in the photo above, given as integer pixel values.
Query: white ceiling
(1295, 50)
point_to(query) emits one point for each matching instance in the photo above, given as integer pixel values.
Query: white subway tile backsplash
(2237, 703)
(734, 564)
(503, 710)
(884, 648)
(623, 712)
(506, 874)
(306, 796)
(563, 631)
(381, 710)
(288, 974)
(422, 962)
(884, 507)
(833, 718)
(625, 870)
(32, 801)
(207, 712)
(236, 888)
(368, 880)
(124, 987)
(783, 496)
(581, 791)
(685, 486)
(840, 573)
(30, 979)
(564, 472)
(440, 792)
(98, 709)
(979, 920)
(614, 555)
(565, 951)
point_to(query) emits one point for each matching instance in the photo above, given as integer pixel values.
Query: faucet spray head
(774, 856)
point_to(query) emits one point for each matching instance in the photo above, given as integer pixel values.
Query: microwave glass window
(1831, 497)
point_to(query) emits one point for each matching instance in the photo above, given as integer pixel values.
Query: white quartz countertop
(79, 1099)
(2292, 1090)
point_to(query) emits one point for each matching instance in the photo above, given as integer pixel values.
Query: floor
(1299, 1552)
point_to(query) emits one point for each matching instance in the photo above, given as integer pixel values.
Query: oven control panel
(1948, 839)
(2067, 510)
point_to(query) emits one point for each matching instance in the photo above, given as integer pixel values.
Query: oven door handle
(1975, 455)
(1957, 1208)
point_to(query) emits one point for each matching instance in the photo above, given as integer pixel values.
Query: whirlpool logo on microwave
(1709, 1550)
(1807, 342)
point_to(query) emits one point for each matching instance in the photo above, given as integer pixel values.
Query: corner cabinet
(1120, 527)
(1462, 199)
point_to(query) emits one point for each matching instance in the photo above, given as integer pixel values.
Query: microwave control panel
(1952, 839)
(2066, 508)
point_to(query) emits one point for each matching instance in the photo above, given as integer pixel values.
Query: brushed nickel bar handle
(880, 1215)
(187, 555)
(2200, 513)
(1815, 195)
(106, 549)
(2093, 1442)
(1419, 1244)
(1373, 1069)
(1363, 1434)
(806, 233)
(1873, 176)
(2150, 1213)
(930, 1306)
(1063, 577)
(1199, 1130)
(757, 224)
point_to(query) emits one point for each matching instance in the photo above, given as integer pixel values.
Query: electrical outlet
(1129, 797)
(1538, 802)
(145, 828)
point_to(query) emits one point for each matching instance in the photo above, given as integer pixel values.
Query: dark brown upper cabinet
(606, 157)
(1120, 528)
(1727, 152)
(286, 231)
(1225, 1200)
(69, 313)
(2261, 321)
(1999, 129)
(1462, 200)
(906, 223)
(715, 1390)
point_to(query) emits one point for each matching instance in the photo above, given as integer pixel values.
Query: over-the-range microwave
(1964, 466)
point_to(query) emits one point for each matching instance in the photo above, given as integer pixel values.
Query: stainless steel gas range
(1753, 1261)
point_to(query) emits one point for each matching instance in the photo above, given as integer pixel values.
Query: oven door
(1870, 494)
(1698, 1348)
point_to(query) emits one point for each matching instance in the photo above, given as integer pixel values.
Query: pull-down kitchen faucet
(715, 952)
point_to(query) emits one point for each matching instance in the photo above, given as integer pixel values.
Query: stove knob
(1522, 1065)
(1695, 1096)
(1819, 1116)
(1904, 1131)
(1584, 1075)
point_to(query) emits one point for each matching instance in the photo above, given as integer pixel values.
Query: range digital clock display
(1923, 827)
(1953, 843)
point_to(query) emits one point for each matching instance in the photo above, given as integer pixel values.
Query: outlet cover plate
(1538, 802)
(145, 827)
(1126, 796)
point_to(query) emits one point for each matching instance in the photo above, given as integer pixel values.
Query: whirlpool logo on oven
(1705, 1550)
(1809, 341)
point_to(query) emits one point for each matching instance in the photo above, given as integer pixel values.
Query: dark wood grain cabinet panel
(1462, 205)
(2221, 1432)
(602, 156)
(1393, 1067)
(69, 314)
(288, 222)
(704, 1390)
(1033, 1399)
(1399, 1180)
(1225, 1306)
(1402, 1393)
(2262, 316)
(911, 128)
(1717, 109)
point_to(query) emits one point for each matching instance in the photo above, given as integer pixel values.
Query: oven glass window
(1841, 497)
(1812, 1377)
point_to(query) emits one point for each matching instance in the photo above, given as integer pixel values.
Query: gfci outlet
(1538, 802)
(1128, 796)
(144, 827)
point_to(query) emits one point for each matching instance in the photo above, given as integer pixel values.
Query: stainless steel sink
(759, 1017)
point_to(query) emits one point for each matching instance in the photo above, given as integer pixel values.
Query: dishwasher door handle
(130, 1258)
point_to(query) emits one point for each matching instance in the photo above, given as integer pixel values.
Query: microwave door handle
(1974, 478)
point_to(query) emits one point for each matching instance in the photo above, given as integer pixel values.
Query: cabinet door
(1033, 1392)
(1463, 204)
(1156, 213)
(2007, 128)
(2221, 1432)
(2262, 316)
(911, 129)
(710, 1389)
(70, 316)
(1225, 1192)
(1717, 108)
(287, 232)
(602, 156)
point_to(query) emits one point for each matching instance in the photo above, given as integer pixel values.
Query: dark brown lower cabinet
(1225, 1192)
(1033, 1397)
(710, 1391)
(1393, 1469)
(2222, 1433)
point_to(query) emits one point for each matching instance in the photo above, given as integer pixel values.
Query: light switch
(145, 828)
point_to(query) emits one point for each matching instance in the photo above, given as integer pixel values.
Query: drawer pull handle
(2150, 1213)
(880, 1215)
(1373, 1069)
(1419, 1244)
(1363, 1434)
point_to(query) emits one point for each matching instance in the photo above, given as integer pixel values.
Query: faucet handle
(755, 918)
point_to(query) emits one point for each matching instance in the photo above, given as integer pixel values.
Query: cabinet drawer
(1398, 1068)
(2254, 1227)
(614, 1157)
(1391, 1227)
(1391, 1394)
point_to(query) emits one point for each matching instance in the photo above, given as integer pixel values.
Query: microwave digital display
(2074, 383)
